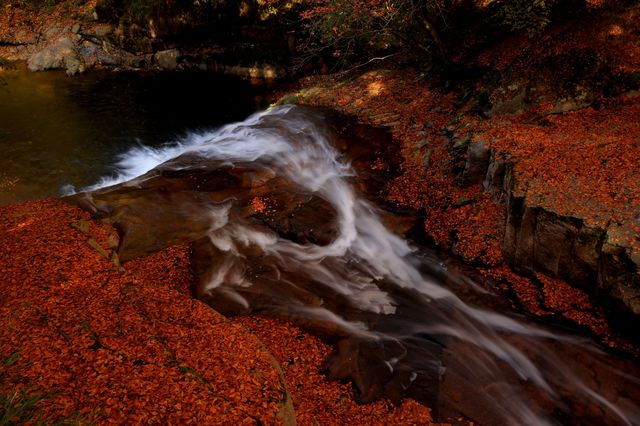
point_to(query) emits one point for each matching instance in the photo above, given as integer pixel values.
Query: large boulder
(60, 54)
(167, 59)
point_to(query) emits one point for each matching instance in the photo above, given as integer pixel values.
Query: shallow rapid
(280, 226)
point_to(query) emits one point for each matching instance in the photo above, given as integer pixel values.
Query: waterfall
(369, 284)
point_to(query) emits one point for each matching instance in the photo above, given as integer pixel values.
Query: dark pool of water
(57, 130)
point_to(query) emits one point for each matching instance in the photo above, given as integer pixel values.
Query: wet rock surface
(174, 204)
(430, 357)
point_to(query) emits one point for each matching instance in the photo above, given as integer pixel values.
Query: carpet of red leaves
(581, 164)
(113, 344)
(596, 149)
(415, 115)
(316, 400)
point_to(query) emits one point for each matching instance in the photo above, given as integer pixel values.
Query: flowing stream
(281, 225)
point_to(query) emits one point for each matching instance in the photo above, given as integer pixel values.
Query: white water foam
(295, 147)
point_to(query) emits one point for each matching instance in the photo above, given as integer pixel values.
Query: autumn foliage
(580, 164)
(85, 340)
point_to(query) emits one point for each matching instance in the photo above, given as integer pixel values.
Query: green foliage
(23, 405)
(354, 31)
(531, 16)
(276, 9)
(112, 10)
(17, 406)
(11, 359)
(20, 406)
(351, 29)
(290, 99)
(39, 4)
(142, 10)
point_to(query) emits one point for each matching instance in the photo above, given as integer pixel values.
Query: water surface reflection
(57, 130)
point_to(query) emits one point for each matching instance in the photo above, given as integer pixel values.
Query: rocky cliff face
(539, 240)
(100, 36)
(597, 257)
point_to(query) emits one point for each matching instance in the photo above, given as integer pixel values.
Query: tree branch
(12, 43)
(435, 36)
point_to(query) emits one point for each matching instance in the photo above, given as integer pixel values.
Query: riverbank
(76, 37)
(85, 339)
(530, 176)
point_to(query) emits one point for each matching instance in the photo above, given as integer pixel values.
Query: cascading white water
(365, 254)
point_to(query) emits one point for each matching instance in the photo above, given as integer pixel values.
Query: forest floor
(88, 340)
(85, 340)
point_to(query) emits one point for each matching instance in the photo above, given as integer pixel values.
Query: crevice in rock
(539, 240)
